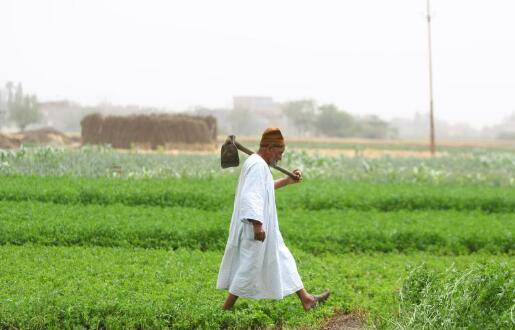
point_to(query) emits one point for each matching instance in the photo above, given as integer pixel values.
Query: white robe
(251, 268)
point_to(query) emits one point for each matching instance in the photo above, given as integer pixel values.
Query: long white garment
(251, 268)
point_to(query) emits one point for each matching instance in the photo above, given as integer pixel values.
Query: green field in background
(94, 238)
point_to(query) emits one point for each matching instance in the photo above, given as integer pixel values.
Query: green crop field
(95, 238)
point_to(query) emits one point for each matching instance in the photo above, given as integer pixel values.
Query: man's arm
(288, 180)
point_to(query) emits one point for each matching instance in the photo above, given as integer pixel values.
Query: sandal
(320, 299)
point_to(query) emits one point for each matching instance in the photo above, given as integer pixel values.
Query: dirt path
(343, 321)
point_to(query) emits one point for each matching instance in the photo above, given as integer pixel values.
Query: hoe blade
(229, 154)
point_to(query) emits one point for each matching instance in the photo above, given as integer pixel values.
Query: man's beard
(273, 161)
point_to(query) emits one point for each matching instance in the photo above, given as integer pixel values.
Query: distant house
(252, 114)
(62, 115)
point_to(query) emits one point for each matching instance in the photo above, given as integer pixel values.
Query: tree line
(330, 121)
(304, 117)
(18, 107)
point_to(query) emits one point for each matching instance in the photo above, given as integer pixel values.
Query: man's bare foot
(315, 301)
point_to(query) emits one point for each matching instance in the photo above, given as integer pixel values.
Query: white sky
(366, 56)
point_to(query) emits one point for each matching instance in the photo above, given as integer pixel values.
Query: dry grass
(342, 321)
(373, 153)
(472, 143)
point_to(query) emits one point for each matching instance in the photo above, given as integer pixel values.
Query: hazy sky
(366, 56)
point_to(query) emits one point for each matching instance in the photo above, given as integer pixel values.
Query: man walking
(257, 264)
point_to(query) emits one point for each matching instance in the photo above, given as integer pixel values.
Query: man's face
(276, 153)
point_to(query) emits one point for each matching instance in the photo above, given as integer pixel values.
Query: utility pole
(431, 104)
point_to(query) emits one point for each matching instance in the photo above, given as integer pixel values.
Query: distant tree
(6, 100)
(301, 114)
(24, 109)
(332, 122)
(510, 119)
(3, 109)
(9, 87)
(505, 136)
(372, 127)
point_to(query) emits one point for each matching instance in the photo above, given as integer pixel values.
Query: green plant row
(481, 297)
(487, 168)
(217, 193)
(80, 287)
(316, 232)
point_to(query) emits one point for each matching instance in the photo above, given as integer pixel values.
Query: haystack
(153, 130)
(90, 128)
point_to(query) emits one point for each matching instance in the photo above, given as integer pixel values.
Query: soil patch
(342, 321)
(46, 135)
(7, 142)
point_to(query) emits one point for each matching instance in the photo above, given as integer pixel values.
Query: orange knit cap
(272, 136)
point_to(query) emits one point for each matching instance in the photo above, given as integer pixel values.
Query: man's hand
(288, 179)
(259, 233)
(298, 178)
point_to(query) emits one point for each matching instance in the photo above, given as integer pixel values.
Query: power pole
(431, 104)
